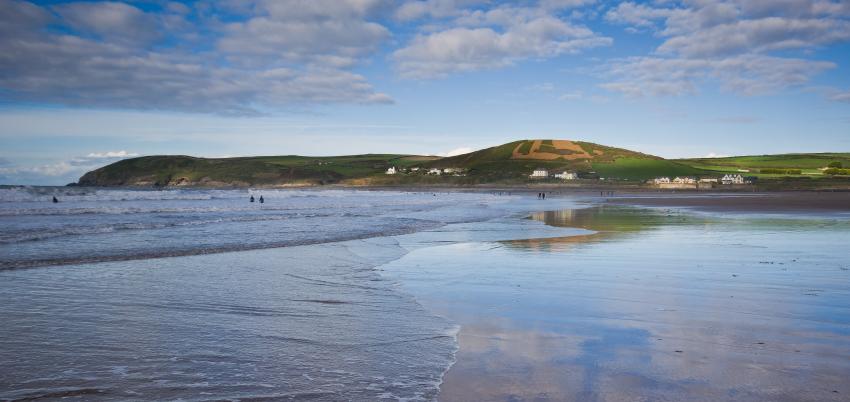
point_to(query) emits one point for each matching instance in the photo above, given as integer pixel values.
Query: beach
(654, 306)
(777, 202)
(453, 296)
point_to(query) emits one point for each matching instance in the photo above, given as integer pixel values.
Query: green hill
(507, 164)
(177, 170)
(515, 160)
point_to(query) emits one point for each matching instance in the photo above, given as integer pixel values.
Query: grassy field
(810, 165)
(643, 169)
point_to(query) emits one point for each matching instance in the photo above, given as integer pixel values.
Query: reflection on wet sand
(609, 223)
(653, 307)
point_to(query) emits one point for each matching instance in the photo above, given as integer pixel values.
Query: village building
(732, 179)
(392, 170)
(539, 173)
(435, 171)
(708, 180)
(566, 175)
(676, 183)
(452, 170)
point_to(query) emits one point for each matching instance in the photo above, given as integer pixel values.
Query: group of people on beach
(261, 199)
(541, 196)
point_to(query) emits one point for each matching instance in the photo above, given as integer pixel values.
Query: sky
(84, 84)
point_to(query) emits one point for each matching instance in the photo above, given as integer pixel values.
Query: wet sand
(654, 306)
(755, 202)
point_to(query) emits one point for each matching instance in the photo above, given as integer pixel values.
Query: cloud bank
(743, 46)
(249, 57)
(117, 55)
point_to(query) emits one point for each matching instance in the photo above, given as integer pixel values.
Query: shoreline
(766, 186)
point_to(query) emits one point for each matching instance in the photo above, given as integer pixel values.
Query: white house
(660, 180)
(708, 180)
(732, 179)
(452, 170)
(392, 170)
(539, 173)
(414, 169)
(435, 171)
(566, 175)
(684, 180)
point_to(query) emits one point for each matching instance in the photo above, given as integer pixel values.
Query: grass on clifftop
(644, 169)
(263, 170)
(809, 165)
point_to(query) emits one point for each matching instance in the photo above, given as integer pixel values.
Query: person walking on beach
(252, 198)
(55, 200)
(262, 200)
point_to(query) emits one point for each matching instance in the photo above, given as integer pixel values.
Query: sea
(186, 294)
(355, 295)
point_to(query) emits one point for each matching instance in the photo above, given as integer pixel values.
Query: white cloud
(561, 4)
(493, 38)
(757, 36)
(840, 97)
(746, 75)
(325, 32)
(735, 43)
(115, 55)
(456, 151)
(414, 10)
(639, 15)
(59, 172)
(111, 21)
(112, 154)
(53, 169)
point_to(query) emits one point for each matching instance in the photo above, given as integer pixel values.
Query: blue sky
(83, 84)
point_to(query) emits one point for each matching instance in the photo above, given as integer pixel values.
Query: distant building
(732, 179)
(539, 173)
(392, 170)
(435, 171)
(676, 183)
(708, 180)
(566, 175)
(452, 170)
(414, 169)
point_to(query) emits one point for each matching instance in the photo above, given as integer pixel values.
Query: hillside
(178, 170)
(507, 164)
(810, 165)
(517, 159)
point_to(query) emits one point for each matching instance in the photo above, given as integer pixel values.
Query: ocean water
(189, 294)
(92, 225)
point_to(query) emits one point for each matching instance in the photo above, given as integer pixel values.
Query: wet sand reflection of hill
(609, 223)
